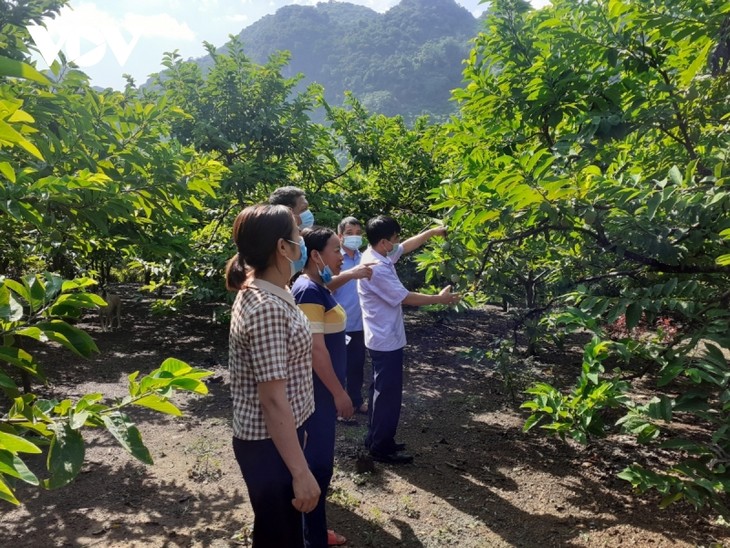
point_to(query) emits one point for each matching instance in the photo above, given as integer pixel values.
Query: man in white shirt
(381, 299)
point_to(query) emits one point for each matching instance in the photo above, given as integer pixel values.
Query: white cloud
(240, 17)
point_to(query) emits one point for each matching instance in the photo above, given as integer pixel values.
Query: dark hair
(256, 232)
(286, 195)
(381, 227)
(316, 238)
(347, 221)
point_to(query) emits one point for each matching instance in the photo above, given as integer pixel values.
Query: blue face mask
(307, 219)
(325, 274)
(296, 266)
(352, 243)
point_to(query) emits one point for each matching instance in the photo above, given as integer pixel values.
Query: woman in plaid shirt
(270, 360)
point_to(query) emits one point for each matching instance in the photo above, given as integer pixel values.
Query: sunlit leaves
(592, 187)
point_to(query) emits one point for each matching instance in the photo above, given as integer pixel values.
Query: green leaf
(78, 419)
(670, 499)
(633, 315)
(9, 134)
(10, 309)
(16, 444)
(158, 403)
(65, 456)
(174, 366)
(18, 69)
(71, 337)
(675, 175)
(699, 61)
(191, 385)
(32, 333)
(7, 170)
(8, 385)
(127, 435)
(12, 465)
(6, 493)
(19, 358)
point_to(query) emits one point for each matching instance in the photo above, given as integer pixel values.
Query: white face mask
(352, 243)
(394, 250)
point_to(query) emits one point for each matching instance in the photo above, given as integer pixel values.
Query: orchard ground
(477, 479)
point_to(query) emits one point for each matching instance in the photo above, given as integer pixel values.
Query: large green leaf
(12, 465)
(18, 69)
(128, 436)
(158, 403)
(69, 336)
(16, 444)
(633, 315)
(20, 358)
(65, 456)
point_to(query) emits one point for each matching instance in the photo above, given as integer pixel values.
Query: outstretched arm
(413, 243)
(358, 272)
(422, 299)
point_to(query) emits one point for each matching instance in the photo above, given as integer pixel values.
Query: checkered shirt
(270, 340)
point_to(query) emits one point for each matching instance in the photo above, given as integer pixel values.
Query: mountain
(404, 61)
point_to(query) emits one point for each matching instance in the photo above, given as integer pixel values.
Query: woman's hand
(343, 404)
(306, 491)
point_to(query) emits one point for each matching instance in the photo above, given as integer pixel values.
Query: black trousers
(277, 524)
(355, 366)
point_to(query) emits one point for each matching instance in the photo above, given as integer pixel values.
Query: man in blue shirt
(350, 233)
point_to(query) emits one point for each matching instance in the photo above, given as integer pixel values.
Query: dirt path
(477, 480)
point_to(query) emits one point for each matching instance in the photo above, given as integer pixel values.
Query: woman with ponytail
(271, 374)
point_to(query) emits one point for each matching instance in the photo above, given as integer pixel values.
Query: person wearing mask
(270, 360)
(381, 300)
(329, 358)
(349, 232)
(295, 199)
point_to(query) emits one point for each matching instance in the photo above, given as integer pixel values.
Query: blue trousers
(355, 366)
(386, 395)
(320, 453)
(276, 522)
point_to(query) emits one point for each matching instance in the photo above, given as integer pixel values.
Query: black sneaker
(392, 458)
(399, 447)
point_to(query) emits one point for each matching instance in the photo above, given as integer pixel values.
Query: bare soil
(477, 479)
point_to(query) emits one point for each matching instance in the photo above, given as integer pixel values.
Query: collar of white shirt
(275, 289)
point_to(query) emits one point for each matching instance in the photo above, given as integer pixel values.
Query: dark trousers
(386, 395)
(355, 366)
(320, 454)
(276, 522)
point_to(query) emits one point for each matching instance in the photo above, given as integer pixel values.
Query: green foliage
(38, 308)
(88, 177)
(393, 167)
(588, 175)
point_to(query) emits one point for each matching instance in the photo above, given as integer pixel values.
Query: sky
(110, 38)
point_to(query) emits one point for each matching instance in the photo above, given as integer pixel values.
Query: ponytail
(236, 273)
